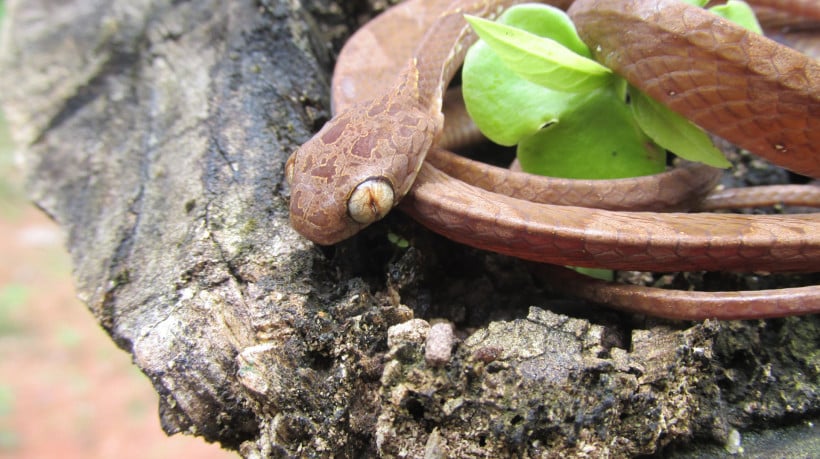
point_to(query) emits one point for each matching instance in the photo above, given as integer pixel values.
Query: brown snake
(761, 95)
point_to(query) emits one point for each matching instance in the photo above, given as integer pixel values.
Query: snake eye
(370, 200)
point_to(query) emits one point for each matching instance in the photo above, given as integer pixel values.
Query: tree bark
(155, 133)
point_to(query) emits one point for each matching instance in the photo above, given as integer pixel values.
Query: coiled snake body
(388, 89)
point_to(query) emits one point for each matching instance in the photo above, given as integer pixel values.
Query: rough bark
(155, 133)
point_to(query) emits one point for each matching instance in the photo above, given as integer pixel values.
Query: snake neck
(441, 51)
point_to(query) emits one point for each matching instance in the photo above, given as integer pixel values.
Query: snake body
(372, 153)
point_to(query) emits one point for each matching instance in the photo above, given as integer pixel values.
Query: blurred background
(65, 389)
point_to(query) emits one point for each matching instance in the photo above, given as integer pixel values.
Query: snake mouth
(320, 234)
(371, 200)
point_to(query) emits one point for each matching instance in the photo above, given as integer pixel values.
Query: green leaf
(700, 3)
(506, 107)
(548, 22)
(563, 134)
(541, 60)
(674, 132)
(397, 240)
(597, 138)
(597, 273)
(740, 13)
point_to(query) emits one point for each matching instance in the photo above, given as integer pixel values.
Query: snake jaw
(371, 200)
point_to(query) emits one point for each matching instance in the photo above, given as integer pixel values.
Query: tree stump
(155, 134)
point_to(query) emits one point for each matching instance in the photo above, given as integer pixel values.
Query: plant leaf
(740, 13)
(550, 126)
(596, 138)
(674, 132)
(541, 60)
(546, 21)
(506, 107)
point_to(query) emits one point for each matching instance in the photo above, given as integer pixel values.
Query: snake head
(361, 163)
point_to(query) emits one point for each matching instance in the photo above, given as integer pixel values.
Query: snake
(383, 148)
